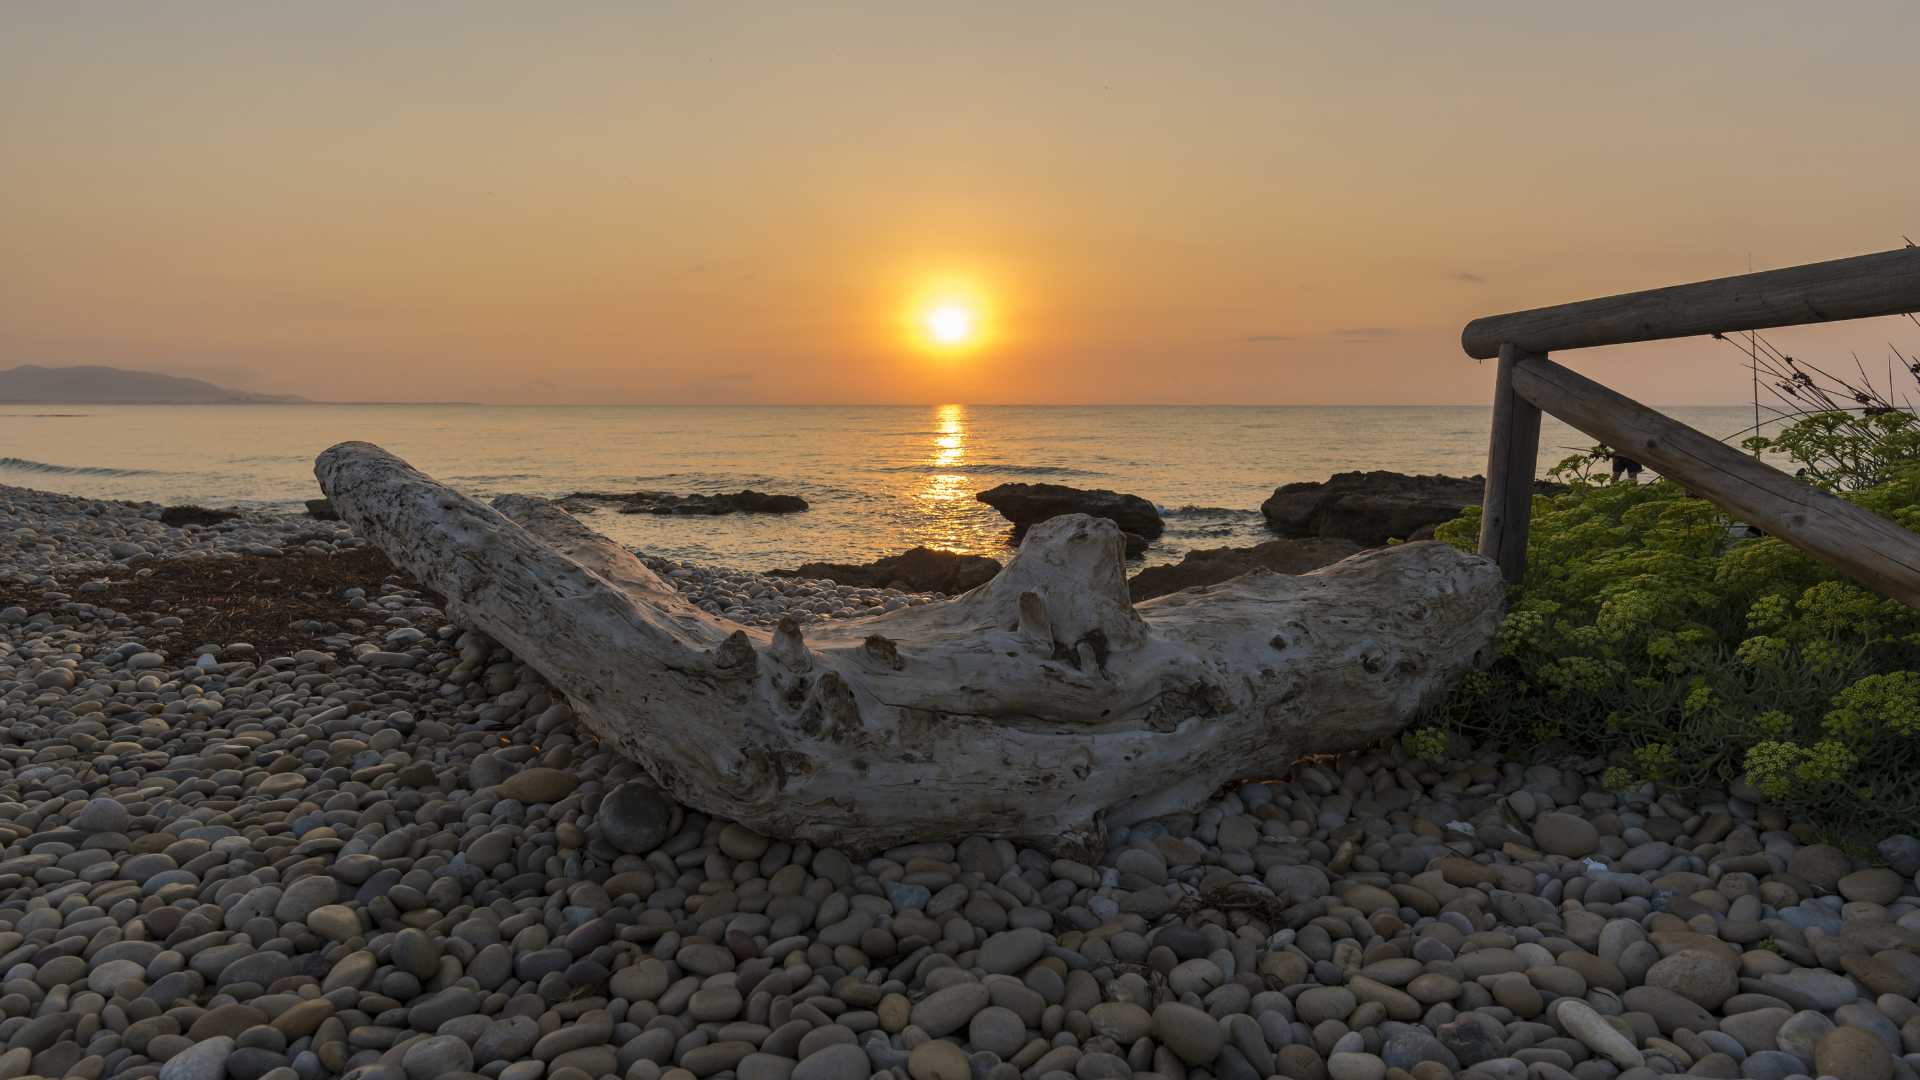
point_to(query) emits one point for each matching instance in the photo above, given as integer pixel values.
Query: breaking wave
(14, 464)
(1207, 511)
(988, 468)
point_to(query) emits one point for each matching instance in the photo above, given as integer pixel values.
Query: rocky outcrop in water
(1211, 566)
(661, 502)
(1027, 505)
(920, 570)
(1371, 508)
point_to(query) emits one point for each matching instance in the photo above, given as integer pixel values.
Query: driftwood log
(1042, 706)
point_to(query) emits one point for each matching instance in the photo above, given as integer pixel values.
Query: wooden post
(1857, 542)
(1513, 452)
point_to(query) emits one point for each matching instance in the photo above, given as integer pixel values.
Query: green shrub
(1650, 629)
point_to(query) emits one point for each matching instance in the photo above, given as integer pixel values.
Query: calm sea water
(880, 479)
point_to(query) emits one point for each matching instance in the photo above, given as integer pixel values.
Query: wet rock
(1027, 505)
(1371, 508)
(1211, 566)
(920, 569)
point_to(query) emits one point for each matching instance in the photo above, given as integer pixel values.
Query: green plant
(1650, 628)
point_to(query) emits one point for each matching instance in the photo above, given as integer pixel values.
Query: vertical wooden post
(1513, 453)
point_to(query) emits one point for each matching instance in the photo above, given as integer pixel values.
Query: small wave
(14, 464)
(988, 468)
(1207, 511)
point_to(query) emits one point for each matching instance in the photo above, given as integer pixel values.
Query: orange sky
(628, 202)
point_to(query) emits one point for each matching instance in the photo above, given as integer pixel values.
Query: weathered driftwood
(1041, 706)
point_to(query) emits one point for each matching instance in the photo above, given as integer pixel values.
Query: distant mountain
(92, 384)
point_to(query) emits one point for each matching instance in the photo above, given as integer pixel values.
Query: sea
(879, 479)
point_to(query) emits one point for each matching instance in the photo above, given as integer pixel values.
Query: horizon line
(832, 404)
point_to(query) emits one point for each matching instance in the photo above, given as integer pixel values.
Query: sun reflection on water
(946, 498)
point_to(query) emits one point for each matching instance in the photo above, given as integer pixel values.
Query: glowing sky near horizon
(617, 202)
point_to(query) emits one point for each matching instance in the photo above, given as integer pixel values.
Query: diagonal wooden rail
(1861, 544)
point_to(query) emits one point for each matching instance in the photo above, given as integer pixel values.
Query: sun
(949, 316)
(950, 324)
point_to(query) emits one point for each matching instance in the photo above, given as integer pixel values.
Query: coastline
(376, 843)
(879, 480)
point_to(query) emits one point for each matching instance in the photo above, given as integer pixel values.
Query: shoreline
(378, 844)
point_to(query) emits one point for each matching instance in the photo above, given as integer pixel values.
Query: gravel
(386, 850)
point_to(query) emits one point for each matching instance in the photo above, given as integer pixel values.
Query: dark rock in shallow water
(1371, 508)
(919, 570)
(1210, 566)
(195, 515)
(662, 502)
(322, 509)
(1029, 504)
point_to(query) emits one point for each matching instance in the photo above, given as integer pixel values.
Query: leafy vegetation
(1653, 629)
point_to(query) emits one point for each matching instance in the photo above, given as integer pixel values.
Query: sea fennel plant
(1653, 629)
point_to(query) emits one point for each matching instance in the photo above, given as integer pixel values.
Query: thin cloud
(1257, 338)
(1468, 276)
(1367, 332)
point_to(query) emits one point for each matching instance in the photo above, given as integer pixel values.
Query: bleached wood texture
(1886, 283)
(1858, 542)
(1042, 706)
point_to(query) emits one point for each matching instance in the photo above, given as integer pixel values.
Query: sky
(757, 202)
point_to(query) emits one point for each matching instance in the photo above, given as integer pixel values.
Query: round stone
(1702, 976)
(335, 922)
(1353, 1066)
(1323, 1003)
(538, 785)
(1822, 865)
(103, 815)
(204, 1060)
(740, 842)
(938, 1059)
(1854, 1054)
(1581, 1021)
(1122, 1021)
(105, 978)
(1191, 1034)
(1565, 834)
(635, 818)
(841, 1061)
(1877, 885)
(433, 1057)
(944, 1012)
(416, 953)
(1001, 1031)
(1011, 952)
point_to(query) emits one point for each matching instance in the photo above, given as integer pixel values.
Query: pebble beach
(266, 813)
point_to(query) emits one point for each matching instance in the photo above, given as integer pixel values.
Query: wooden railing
(1861, 544)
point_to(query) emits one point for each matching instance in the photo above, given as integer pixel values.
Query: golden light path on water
(946, 496)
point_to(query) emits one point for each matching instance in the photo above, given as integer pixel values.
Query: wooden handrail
(1861, 544)
(1857, 542)
(1887, 283)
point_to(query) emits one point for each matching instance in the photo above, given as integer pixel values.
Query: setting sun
(949, 315)
(950, 324)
